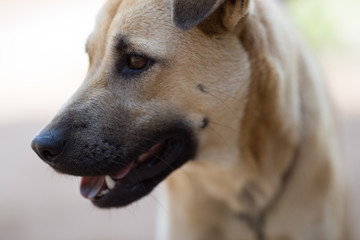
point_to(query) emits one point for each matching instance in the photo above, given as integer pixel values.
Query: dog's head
(165, 78)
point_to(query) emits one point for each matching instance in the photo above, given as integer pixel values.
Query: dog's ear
(187, 14)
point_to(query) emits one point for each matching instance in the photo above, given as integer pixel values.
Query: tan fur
(266, 166)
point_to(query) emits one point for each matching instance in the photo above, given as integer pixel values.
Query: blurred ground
(38, 204)
(42, 61)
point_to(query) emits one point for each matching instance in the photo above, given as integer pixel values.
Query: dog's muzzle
(117, 166)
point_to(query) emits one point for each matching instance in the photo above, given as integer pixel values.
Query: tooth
(110, 182)
(103, 193)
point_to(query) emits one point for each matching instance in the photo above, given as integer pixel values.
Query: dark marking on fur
(204, 123)
(201, 88)
(120, 43)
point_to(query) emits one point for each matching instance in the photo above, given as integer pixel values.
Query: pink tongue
(92, 186)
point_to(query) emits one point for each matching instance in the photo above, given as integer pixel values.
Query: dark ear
(189, 13)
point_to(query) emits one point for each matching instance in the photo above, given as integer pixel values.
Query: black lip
(105, 151)
(141, 180)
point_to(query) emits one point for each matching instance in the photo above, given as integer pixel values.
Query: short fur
(267, 160)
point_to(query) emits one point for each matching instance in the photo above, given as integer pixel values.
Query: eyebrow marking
(121, 43)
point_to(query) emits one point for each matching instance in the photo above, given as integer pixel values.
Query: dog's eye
(133, 64)
(137, 62)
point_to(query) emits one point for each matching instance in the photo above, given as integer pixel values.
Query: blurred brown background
(43, 61)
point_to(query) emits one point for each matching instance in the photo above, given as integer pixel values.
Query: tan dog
(224, 83)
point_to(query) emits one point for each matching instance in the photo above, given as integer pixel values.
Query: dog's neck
(276, 145)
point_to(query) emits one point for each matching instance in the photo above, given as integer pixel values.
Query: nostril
(48, 155)
(48, 146)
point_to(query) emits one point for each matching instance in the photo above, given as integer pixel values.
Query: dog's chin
(139, 177)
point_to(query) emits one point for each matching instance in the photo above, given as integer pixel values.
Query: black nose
(48, 145)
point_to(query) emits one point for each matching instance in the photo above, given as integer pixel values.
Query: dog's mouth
(139, 176)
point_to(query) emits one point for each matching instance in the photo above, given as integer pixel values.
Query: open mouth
(139, 176)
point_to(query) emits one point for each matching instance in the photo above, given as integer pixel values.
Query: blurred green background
(328, 25)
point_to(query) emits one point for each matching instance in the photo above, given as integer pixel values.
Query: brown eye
(131, 65)
(137, 62)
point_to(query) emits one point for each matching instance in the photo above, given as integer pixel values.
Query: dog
(219, 99)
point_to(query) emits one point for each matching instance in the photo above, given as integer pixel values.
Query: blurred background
(43, 61)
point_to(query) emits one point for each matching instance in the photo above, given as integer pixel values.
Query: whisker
(157, 157)
(232, 111)
(223, 93)
(98, 169)
(128, 162)
(140, 179)
(158, 201)
(219, 135)
(224, 126)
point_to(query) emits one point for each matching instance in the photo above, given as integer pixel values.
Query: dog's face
(155, 97)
